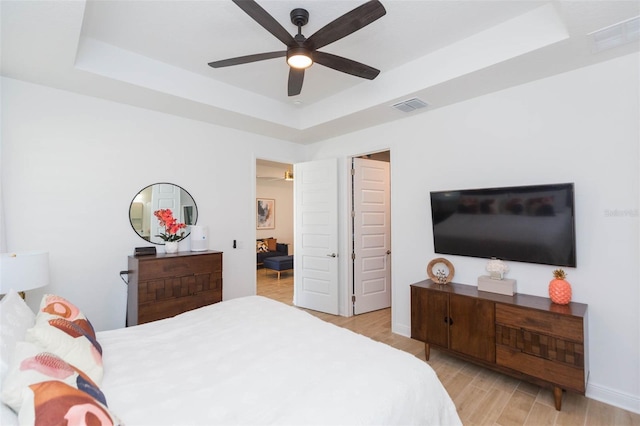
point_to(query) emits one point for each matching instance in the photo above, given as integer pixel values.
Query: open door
(371, 235)
(316, 235)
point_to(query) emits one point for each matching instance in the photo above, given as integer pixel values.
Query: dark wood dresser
(165, 285)
(525, 336)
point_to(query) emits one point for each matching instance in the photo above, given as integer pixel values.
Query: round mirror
(161, 196)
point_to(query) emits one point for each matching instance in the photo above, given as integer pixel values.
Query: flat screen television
(532, 223)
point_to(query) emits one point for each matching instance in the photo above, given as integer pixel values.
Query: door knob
(388, 251)
(332, 255)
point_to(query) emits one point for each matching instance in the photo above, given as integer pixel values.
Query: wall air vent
(616, 35)
(410, 105)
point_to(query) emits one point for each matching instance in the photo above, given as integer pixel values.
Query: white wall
(72, 164)
(579, 127)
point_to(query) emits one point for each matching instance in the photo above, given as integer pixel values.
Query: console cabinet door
(429, 313)
(472, 328)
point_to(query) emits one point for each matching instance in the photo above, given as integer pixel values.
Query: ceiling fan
(302, 52)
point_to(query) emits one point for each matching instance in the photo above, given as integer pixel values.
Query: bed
(256, 361)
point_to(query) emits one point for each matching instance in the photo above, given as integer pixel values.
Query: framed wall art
(266, 209)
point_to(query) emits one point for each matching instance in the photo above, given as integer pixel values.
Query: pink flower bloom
(171, 225)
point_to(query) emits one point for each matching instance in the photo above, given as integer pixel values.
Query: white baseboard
(614, 397)
(401, 329)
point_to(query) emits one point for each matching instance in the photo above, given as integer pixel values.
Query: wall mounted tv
(532, 224)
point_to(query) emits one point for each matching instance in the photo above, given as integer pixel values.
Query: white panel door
(371, 235)
(164, 196)
(316, 235)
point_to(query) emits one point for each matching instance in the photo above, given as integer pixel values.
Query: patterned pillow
(32, 365)
(56, 306)
(261, 246)
(56, 403)
(74, 342)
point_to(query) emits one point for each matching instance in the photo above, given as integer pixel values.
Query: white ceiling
(154, 54)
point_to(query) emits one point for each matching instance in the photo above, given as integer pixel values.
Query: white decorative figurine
(497, 268)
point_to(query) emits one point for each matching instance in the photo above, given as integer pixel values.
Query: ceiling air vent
(616, 35)
(410, 105)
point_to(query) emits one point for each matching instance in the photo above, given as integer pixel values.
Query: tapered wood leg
(427, 351)
(557, 397)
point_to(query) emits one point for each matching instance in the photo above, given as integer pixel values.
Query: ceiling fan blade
(348, 23)
(345, 65)
(268, 22)
(296, 77)
(246, 59)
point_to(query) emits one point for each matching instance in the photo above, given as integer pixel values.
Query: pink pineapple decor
(559, 288)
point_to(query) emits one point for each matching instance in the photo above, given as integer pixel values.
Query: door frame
(348, 232)
(345, 267)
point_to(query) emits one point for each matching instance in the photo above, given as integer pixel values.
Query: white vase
(171, 247)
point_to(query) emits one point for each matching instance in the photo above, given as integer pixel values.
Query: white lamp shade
(23, 271)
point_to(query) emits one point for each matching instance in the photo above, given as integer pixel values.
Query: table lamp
(23, 271)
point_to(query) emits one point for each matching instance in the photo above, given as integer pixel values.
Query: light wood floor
(482, 397)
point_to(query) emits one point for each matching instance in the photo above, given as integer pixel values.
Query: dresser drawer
(541, 345)
(177, 287)
(159, 309)
(552, 324)
(563, 375)
(180, 266)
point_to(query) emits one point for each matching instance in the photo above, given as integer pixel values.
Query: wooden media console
(525, 336)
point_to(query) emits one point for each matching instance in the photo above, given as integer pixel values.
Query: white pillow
(7, 416)
(15, 319)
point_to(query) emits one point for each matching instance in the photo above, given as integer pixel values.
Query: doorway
(274, 190)
(373, 257)
(370, 197)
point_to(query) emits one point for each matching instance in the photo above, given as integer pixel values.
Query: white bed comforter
(256, 361)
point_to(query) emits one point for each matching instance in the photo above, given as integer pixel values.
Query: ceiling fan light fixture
(299, 57)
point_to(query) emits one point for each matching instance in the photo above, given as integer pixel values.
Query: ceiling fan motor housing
(299, 17)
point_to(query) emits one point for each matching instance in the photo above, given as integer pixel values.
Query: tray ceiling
(154, 54)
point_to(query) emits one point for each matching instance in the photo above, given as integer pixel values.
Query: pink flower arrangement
(170, 224)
